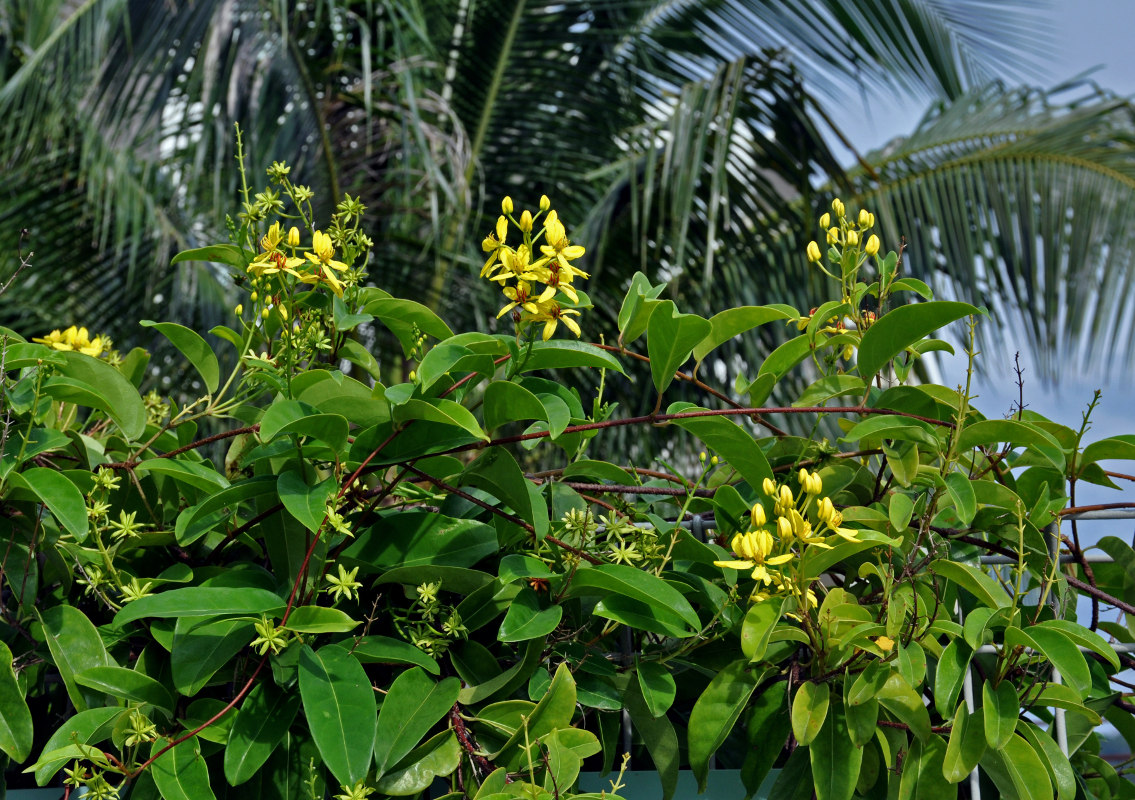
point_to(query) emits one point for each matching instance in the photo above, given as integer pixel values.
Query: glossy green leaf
(554, 710)
(716, 712)
(1001, 707)
(973, 580)
(565, 353)
(794, 782)
(444, 412)
(407, 320)
(201, 647)
(437, 757)
(306, 503)
(657, 687)
(892, 426)
(993, 432)
(196, 521)
(15, 716)
(658, 735)
(966, 745)
(526, 620)
(903, 326)
(74, 644)
(732, 443)
(413, 704)
(899, 510)
(340, 708)
(1082, 637)
(190, 473)
(960, 489)
(862, 721)
(496, 471)
(900, 699)
(1120, 447)
(39, 440)
(1060, 773)
(637, 585)
(809, 710)
(506, 402)
(922, 772)
(418, 538)
(760, 620)
(835, 759)
(671, 338)
(181, 773)
(1058, 649)
(127, 684)
(86, 727)
(384, 650)
(261, 723)
(201, 601)
(320, 619)
(869, 683)
(1016, 770)
(120, 400)
(732, 322)
(194, 348)
(299, 419)
(950, 675)
(228, 254)
(62, 497)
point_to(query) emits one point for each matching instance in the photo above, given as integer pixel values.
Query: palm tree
(685, 139)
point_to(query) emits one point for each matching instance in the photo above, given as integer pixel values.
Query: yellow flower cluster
(846, 233)
(802, 519)
(520, 272)
(319, 262)
(77, 339)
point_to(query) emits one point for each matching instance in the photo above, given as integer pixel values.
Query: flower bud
(783, 528)
(768, 487)
(825, 220)
(872, 246)
(865, 218)
(545, 203)
(526, 221)
(239, 310)
(786, 498)
(506, 205)
(833, 235)
(294, 237)
(254, 297)
(283, 312)
(413, 375)
(702, 456)
(264, 314)
(814, 252)
(852, 238)
(713, 462)
(758, 516)
(837, 207)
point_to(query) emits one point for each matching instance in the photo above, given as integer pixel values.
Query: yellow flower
(293, 236)
(814, 252)
(551, 314)
(833, 235)
(493, 244)
(758, 516)
(323, 256)
(77, 339)
(559, 248)
(769, 488)
(755, 549)
(520, 295)
(886, 643)
(271, 240)
(866, 220)
(518, 264)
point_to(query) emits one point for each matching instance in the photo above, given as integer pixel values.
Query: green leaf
(759, 622)
(670, 339)
(716, 712)
(120, 400)
(384, 650)
(892, 426)
(992, 432)
(405, 319)
(419, 538)
(809, 710)
(727, 324)
(15, 716)
(39, 440)
(950, 675)
(1114, 447)
(195, 522)
(181, 773)
(228, 254)
(899, 510)
(441, 411)
(306, 503)
(75, 645)
(658, 735)
(126, 684)
(261, 723)
(87, 727)
(731, 442)
(960, 489)
(657, 687)
(411, 707)
(506, 402)
(497, 472)
(901, 700)
(1016, 770)
(201, 647)
(1058, 648)
(565, 353)
(194, 348)
(190, 473)
(966, 745)
(828, 387)
(526, 620)
(835, 759)
(437, 757)
(554, 710)
(922, 772)
(318, 619)
(294, 417)
(903, 326)
(974, 581)
(340, 708)
(635, 584)
(59, 494)
(869, 683)
(1081, 636)
(1060, 772)
(201, 601)
(1002, 707)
